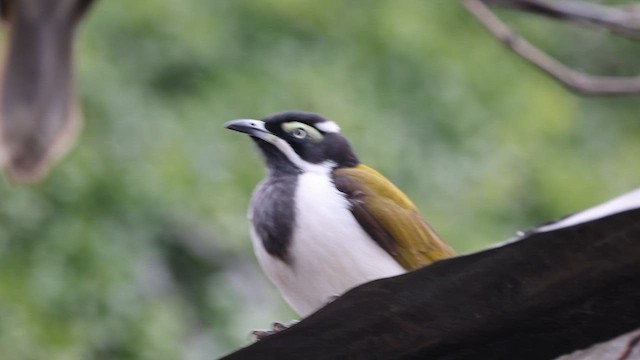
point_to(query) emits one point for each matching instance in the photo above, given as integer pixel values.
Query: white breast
(330, 252)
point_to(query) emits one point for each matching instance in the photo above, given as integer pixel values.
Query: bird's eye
(299, 133)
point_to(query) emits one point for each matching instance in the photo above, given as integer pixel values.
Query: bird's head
(295, 142)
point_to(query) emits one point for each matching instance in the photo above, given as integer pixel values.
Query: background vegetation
(136, 247)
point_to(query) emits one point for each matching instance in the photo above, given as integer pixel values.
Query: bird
(322, 222)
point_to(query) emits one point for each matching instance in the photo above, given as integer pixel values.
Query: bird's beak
(251, 127)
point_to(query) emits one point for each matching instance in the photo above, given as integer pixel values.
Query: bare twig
(623, 20)
(573, 79)
(630, 347)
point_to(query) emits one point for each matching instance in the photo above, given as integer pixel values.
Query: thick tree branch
(573, 79)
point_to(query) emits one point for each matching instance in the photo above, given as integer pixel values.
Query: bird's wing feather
(390, 218)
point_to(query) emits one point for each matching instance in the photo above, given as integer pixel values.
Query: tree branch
(623, 20)
(573, 79)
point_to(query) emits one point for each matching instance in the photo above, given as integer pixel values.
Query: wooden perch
(571, 78)
(559, 288)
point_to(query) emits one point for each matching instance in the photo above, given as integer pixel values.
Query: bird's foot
(275, 328)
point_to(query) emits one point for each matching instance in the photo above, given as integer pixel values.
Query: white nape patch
(330, 253)
(628, 201)
(328, 127)
(321, 168)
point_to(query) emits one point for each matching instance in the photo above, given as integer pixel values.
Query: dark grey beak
(251, 127)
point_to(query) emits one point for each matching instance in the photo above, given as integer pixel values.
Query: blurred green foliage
(136, 246)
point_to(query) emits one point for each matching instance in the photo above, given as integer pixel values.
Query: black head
(298, 141)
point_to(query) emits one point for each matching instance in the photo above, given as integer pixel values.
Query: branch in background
(623, 20)
(39, 111)
(573, 79)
